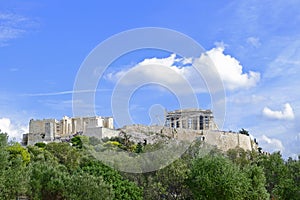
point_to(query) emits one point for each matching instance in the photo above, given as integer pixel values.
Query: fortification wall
(34, 138)
(100, 132)
(227, 140)
(221, 139)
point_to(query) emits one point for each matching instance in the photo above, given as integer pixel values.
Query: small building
(195, 119)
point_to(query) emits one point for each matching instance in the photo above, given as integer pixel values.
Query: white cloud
(229, 69)
(65, 92)
(13, 26)
(270, 144)
(144, 71)
(14, 131)
(254, 41)
(286, 114)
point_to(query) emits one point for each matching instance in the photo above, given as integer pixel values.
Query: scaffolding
(195, 119)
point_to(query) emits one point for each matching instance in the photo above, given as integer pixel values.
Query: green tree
(40, 144)
(79, 141)
(13, 174)
(139, 148)
(47, 180)
(173, 179)
(288, 186)
(239, 156)
(3, 139)
(65, 154)
(215, 177)
(16, 150)
(257, 180)
(123, 188)
(83, 186)
(274, 170)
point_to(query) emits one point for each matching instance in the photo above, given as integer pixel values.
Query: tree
(215, 177)
(16, 150)
(65, 154)
(173, 179)
(13, 174)
(244, 132)
(47, 180)
(3, 139)
(83, 186)
(122, 188)
(257, 179)
(274, 169)
(239, 156)
(79, 141)
(139, 148)
(40, 144)
(288, 186)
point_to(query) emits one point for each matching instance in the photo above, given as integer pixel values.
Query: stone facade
(48, 130)
(195, 119)
(185, 125)
(221, 139)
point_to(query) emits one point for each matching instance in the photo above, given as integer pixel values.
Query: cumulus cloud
(14, 131)
(286, 114)
(143, 70)
(231, 71)
(209, 64)
(270, 144)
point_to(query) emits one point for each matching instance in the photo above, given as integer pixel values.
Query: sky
(254, 45)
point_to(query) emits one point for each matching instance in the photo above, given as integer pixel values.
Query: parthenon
(195, 119)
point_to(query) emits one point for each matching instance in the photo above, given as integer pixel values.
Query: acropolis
(184, 124)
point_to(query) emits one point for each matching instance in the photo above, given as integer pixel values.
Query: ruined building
(48, 130)
(195, 119)
(185, 125)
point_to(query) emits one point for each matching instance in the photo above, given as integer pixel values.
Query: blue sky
(255, 45)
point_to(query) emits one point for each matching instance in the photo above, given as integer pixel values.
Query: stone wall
(227, 140)
(100, 132)
(221, 139)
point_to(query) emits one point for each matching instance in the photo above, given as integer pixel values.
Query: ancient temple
(195, 119)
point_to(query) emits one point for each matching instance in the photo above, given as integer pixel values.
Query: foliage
(13, 177)
(83, 186)
(40, 144)
(65, 154)
(3, 139)
(282, 177)
(64, 171)
(215, 177)
(239, 156)
(122, 143)
(244, 132)
(123, 189)
(172, 180)
(79, 141)
(47, 180)
(257, 179)
(139, 148)
(16, 150)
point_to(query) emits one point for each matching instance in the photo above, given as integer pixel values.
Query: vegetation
(68, 171)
